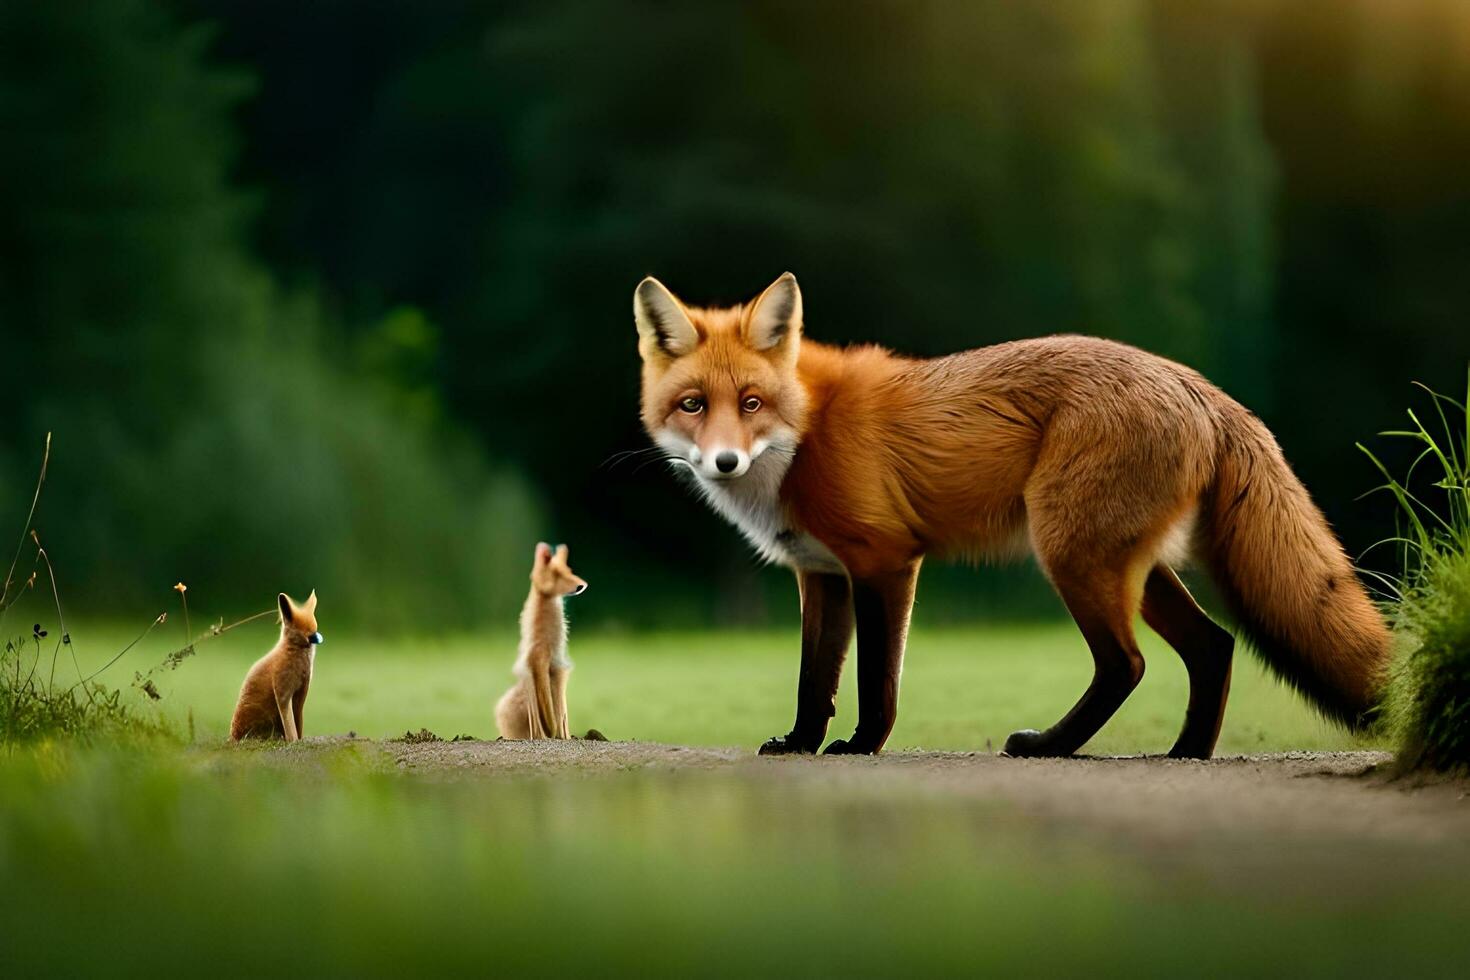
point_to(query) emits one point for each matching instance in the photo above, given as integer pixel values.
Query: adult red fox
(1110, 464)
(273, 696)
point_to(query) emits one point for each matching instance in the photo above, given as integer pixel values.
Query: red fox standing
(274, 694)
(536, 705)
(1110, 464)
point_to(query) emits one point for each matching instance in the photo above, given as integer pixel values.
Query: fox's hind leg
(511, 720)
(1112, 485)
(1103, 602)
(1206, 649)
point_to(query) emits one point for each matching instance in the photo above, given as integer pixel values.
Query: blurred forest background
(337, 294)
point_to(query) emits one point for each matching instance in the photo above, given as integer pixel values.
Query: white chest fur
(753, 504)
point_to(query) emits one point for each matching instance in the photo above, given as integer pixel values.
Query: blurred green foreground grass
(322, 862)
(962, 689)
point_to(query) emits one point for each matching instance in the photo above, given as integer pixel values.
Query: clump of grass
(423, 735)
(1427, 700)
(34, 703)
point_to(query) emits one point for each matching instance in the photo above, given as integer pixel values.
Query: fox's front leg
(285, 710)
(882, 604)
(826, 632)
(298, 706)
(559, 701)
(545, 709)
(533, 724)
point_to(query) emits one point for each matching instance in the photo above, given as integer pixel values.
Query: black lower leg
(1117, 669)
(826, 633)
(882, 605)
(1207, 651)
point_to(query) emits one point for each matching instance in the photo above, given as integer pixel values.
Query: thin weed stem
(60, 615)
(136, 640)
(31, 516)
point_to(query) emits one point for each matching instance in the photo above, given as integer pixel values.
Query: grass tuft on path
(1427, 704)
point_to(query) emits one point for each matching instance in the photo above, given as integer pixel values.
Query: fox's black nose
(314, 638)
(580, 589)
(726, 462)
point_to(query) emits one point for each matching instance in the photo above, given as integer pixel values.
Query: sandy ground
(1291, 799)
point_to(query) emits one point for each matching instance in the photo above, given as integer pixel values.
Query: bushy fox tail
(1287, 580)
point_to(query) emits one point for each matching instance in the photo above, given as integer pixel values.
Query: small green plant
(1427, 700)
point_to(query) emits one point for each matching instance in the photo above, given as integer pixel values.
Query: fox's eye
(751, 404)
(691, 405)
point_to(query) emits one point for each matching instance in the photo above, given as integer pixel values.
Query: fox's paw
(1191, 750)
(1028, 743)
(843, 746)
(790, 744)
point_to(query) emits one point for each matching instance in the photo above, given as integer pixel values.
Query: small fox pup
(1111, 465)
(274, 693)
(536, 706)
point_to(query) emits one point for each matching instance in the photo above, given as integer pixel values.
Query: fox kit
(1111, 465)
(274, 693)
(536, 706)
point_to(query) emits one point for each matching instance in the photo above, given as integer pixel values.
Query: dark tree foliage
(461, 197)
(207, 426)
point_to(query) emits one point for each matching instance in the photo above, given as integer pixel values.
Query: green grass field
(161, 859)
(962, 689)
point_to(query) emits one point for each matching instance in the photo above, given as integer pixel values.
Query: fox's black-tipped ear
(663, 326)
(285, 603)
(775, 316)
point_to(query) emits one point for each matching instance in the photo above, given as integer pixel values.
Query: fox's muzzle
(722, 463)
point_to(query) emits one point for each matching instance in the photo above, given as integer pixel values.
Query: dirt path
(1317, 800)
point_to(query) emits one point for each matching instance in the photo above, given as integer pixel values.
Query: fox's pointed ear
(285, 603)
(561, 553)
(310, 605)
(663, 326)
(543, 552)
(775, 316)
